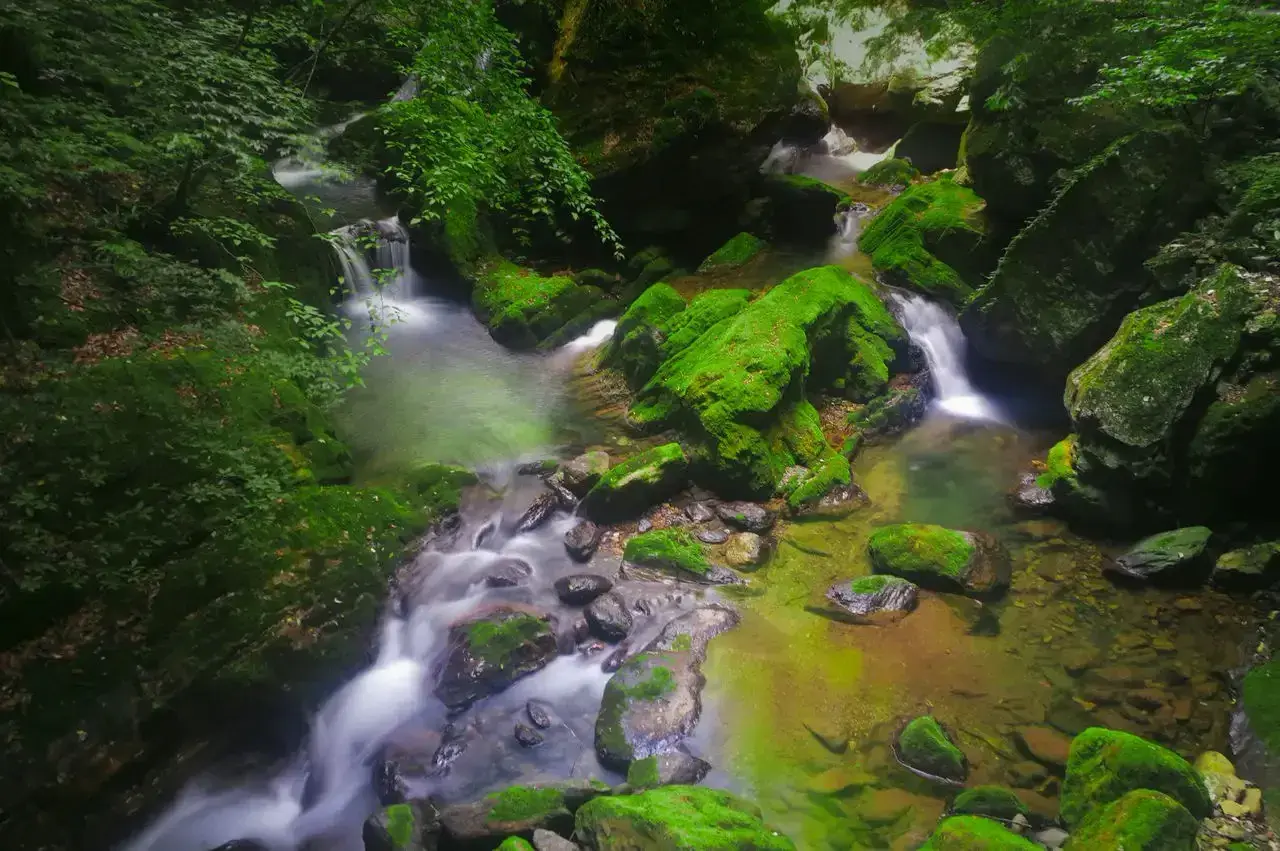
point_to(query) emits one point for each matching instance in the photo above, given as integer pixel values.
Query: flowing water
(935, 330)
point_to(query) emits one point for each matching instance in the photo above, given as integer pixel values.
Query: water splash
(599, 334)
(834, 158)
(938, 335)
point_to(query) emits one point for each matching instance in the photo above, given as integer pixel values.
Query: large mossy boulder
(625, 490)
(676, 818)
(1105, 765)
(930, 238)
(1176, 556)
(522, 308)
(1076, 269)
(941, 559)
(925, 747)
(674, 550)
(804, 208)
(975, 833)
(890, 172)
(491, 652)
(1142, 820)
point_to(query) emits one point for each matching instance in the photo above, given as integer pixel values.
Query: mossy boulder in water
(515, 843)
(941, 559)
(974, 833)
(1106, 764)
(1141, 820)
(804, 208)
(924, 746)
(1069, 276)
(1260, 696)
(1181, 555)
(930, 238)
(642, 480)
(673, 768)
(521, 307)
(516, 811)
(490, 653)
(890, 172)
(736, 252)
(688, 818)
(1248, 568)
(668, 549)
(992, 801)
(874, 598)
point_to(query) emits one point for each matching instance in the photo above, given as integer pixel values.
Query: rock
(902, 405)
(1077, 660)
(582, 540)
(869, 596)
(516, 810)
(1171, 557)
(974, 833)
(672, 550)
(992, 801)
(545, 840)
(1045, 745)
(1141, 820)
(528, 737)
(931, 239)
(507, 573)
(565, 499)
(1051, 838)
(538, 513)
(744, 549)
(645, 525)
(1105, 765)
(926, 748)
(803, 207)
(676, 817)
(609, 618)
(819, 496)
(931, 146)
(627, 489)
(491, 652)
(538, 714)
(515, 843)
(1027, 775)
(712, 536)
(1248, 569)
(699, 512)
(941, 559)
(674, 768)
(409, 826)
(747, 516)
(389, 783)
(522, 308)
(1030, 496)
(738, 251)
(654, 700)
(581, 588)
(580, 474)
(890, 172)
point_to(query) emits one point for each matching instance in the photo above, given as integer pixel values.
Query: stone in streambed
(1045, 745)
(627, 489)
(676, 551)
(1248, 569)
(1141, 820)
(508, 573)
(747, 516)
(545, 840)
(407, 826)
(580, 474)
(744, 549)
(871, 598)
(992, 801)
(489, 653)
(738, 251)
(582, 540)
(699, 512)
(676, 817)
(925, 747)
(1178, 556)
(674, 768)
(941, 559)
(974, 833)
(527, 736)
(581, 588)
(538, 714)
(538, 513)
(522, 308)
(712, 536)
(516, 810)
(608, 618)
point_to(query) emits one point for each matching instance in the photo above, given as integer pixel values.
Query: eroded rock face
(490, 652)
(654, 700)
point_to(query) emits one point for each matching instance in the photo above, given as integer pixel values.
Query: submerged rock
(747, 516)
(507, 573)
(867, 597)
(491, 652)
(743, 550)
(538, 714)
(690, 817)
(674, 768)
(582, 540)
(527, 736)
(1141, 820)
(1045, 745)
(1174, 557)
(608, 618)
(925, 747)
(974, 833)
(627, 489)
(581, 588)
(941, 559)
(1105, 765)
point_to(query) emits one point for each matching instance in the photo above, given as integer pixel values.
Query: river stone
(516, 811)
(538, 513)
(538, 714)
(491, 652)
(712, 536)
(566, 501)
(1248, 569)
(926, 748)
(975, 833)
(744, 549)
(507, 573)
(992, 801)
(676, 817)
(868, 596)
(940, 559)
(1044, 745)
(582, 540)
(581, 588)
(608, 618)
(1030, 497)
(527, 736)
(409, 826)
(626, 490)
(674, 768)
(838, 500)
(1177, 556)
(654, 700)
(1142, 820)
(545, 840)
(747, 516)
(699, 512)
(581, 474)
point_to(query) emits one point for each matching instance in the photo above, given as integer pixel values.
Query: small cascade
(844, 242)
(834, 157)
(374, 257)
(938, 335)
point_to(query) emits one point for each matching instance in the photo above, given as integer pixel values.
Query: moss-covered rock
(521, 307)
(642, 480)
(515, 843)
(875, 598)
(890, 172)
(1105, 765)
(488, 654)
(1248, 568)
(941, 559)
(930, 238)
(1260, 695)
(516, 811)
(408, 826)
(804, 208)
(992, 801)
(924, 746)
(974, 833)
(677, 818)
(1180, 555)
(1142, 820)
(736, 252)
(1069, 276)
(636, 344)
(674, 768)
(672, 549)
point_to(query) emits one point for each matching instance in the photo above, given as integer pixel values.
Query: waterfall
(833, 158)
(386, 243)
(938, 335)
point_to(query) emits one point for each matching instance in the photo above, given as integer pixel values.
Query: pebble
(712, 536)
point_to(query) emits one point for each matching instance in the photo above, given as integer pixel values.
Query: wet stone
(491, 652)
(644, 525)
(699, 512)
(508, 573)
(582, 540)
(712, 536)
(1044, 745)
(545, 840)
(744, 549)
(608, 618)
(538, 513)
(1179, 556)
(581, 588)
(747, 516)
(869, 596)
(1030, 497)
(1027, 775)
(674, 768)
(408, 826)
(539, 714)
(580, 474)
(527, 736)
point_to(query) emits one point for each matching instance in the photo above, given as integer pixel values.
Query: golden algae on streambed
(1013, 679)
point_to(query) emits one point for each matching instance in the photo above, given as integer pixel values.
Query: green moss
(643, 773)
(1059, 466)
(1142, 820)
(917, 549)
(400, 824)
(706, 309)
(524, 803)
(832, 472)
(628, 488)
(925, 746)
(1107, 764)
(734, 253)
(646, 677)
(685, 817)
(514, 843)
(495, 640)
(871, 584)
(682, 643)
(994, 801)
(439, 485)
(668, 549)
(635, 349)
(904, 240)
(1260, 694)
(812, 184)
(521, 307)
(660, 683)
(973, 833)
(890, 172)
